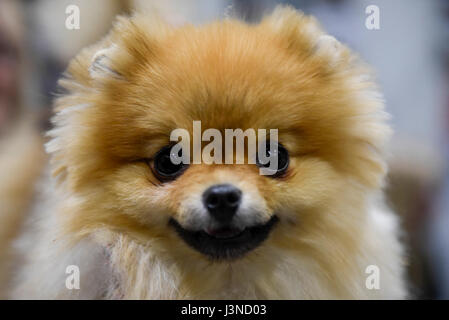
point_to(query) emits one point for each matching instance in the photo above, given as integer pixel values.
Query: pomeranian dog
(118, 212)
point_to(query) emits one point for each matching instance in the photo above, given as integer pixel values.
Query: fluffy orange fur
(127, 93)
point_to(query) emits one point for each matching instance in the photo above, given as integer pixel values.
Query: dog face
(111, 144)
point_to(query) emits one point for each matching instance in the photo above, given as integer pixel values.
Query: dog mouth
(226, 243)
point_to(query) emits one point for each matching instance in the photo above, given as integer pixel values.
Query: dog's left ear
(131, 44)
(304, 35)
(101, 63)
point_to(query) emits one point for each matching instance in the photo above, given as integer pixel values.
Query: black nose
(222, 201)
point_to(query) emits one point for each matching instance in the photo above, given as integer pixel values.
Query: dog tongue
(224, 232)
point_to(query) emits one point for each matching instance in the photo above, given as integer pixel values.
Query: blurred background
(409, 51)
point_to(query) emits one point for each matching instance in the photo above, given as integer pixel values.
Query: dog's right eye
(280, 155)
(163, 167)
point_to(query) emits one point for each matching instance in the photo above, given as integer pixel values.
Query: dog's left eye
(163, 167)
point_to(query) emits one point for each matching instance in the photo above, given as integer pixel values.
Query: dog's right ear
(101, 63)
(304, 35)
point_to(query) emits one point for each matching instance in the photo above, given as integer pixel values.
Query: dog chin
(225, 243)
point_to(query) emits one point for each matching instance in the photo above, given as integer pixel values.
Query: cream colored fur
(102, 210)
(114, 266)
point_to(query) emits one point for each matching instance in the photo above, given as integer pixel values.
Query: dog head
(112, 150)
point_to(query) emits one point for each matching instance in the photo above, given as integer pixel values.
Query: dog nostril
(233, 198)
(222, 201)
(212, 201)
